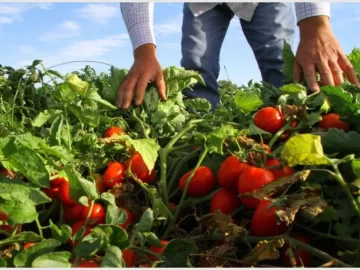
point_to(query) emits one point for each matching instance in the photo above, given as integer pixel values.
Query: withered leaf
(265, 250)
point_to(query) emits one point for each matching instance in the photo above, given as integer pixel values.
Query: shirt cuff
(307, 10)
(140, 34)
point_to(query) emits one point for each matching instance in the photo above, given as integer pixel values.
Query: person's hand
(319, 51)
(145, 68)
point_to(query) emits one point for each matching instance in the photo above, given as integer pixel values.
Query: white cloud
(99, 13)
(172, 26)
(5, 20)
(64, 30)
(25, 49)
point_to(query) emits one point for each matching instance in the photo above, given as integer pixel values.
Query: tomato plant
(129, 218)
(113, 130)
(224, 200)
(229, 172)
(97, 215)
(299, 257)
(76, 227)
(202, 183)
(114, 174)
(278, 169)
(139, 169)
(64, 193)
(269, 119)
(332, 120)
(129, 257)
(158, 250)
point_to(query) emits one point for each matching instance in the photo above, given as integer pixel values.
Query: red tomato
(285, 135)
(264, 221)
(64, 193)
(229, 172)
(77, 211)
(201, 184)
(139, 168)
(30, 244)
(114, 174)
(7, 228)
(3, 216)
(51, 192)
(57, 181)
(129, 218)
(99, 181)
(76, 227)
(129, 256)
(332, 120)
(158, 250)
(256, 157)
(252, 179)
(269, 119)
(172, 205)
(88, 264)
(145, 265)
(225, 201)
(7, 173)
(112, 131)
(277, 169)
(97, 215)
(67, 209)
(302, 258)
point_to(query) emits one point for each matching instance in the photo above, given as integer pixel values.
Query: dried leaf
(265, 250)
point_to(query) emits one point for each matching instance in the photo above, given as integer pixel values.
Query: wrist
(145, 50)
(314, 25)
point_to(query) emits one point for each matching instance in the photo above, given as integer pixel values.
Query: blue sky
(60, 32)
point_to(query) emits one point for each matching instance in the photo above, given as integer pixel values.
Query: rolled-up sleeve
(139, 21)
(311, 9)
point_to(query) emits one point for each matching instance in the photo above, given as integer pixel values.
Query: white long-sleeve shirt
(139, 17)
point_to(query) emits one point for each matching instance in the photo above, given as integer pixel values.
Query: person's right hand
(145, 68)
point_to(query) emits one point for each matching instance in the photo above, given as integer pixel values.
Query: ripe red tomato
(113, 130)
(278, 169)
(285, 135)
(97, 215)
(88, 264)
(158, 250)
(129, 257)
(51, 192)
(332, 120)
(7, 173)
(229, 172)
(64, 193)
(139, 168)
(225, 201)
(99, 182)
(269, 119)
(252, 179)
(129, 218)
(264, 221)
(114, 174)
(172, 205)
(201, 184)
(57, 181)
(302, 258)
(30, 244)
(76, 211)
(256, 157)
(7, 228)
(3, 216)
(76, 227)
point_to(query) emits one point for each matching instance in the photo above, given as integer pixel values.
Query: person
(265, 26)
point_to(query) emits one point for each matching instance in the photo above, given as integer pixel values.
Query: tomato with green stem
(299, 257)
(332, 120)
(114, 174)
(139, 169)
(97, 215)
(252, 179)
(229, 172)
(264, 221)
(77, 211)
(257, 155)
(269, 119)
(225, 201)
(129, 218)
(286, 134)
(201, 184)
(279, 170)
(115, 130)
(157, 250)
(64, 193)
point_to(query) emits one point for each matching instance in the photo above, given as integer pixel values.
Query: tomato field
(270, 178)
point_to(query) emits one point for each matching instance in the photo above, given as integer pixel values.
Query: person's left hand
(319, 51)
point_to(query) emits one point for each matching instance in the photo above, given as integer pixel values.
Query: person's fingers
(326, 75)
(128, 92)
(140, 89)
(297, 72)
(337, 72)
(310, 77)
(348, 69)
(160, 85)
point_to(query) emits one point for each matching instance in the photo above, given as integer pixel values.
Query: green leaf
(152, 239)
(336, 140)
(3, 263)
(339, 99)
(110, 91)
(113, 234)
(53, 260)
(177, 253)
(36, 63)
(215, 140)
(25, 161)
(355, 164)
(55, 131)
(146, 221)
(18, 200)
(55, 73)
(112, 258)
(90, 245)
(25, 257)
(198, 104)
(85, 115)
(148, 149)
(327, 215)
(115, 215)
(255, 130)
(43, 117)
(63, 234)
(354, 58)
(304, 149)
(93, 95)
(292, 88)
(247, 102)
(289, 61)
(21, 238)
(76, 84)
(108, 198)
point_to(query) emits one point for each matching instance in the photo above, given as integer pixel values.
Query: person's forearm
(310, 10)
(138, 18)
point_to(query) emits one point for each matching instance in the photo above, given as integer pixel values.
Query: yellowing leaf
(76, 84)
(304, 149)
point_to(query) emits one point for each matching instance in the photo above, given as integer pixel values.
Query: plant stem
(39, 227)
(156, 255)
(180, 205)
(277, 134)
